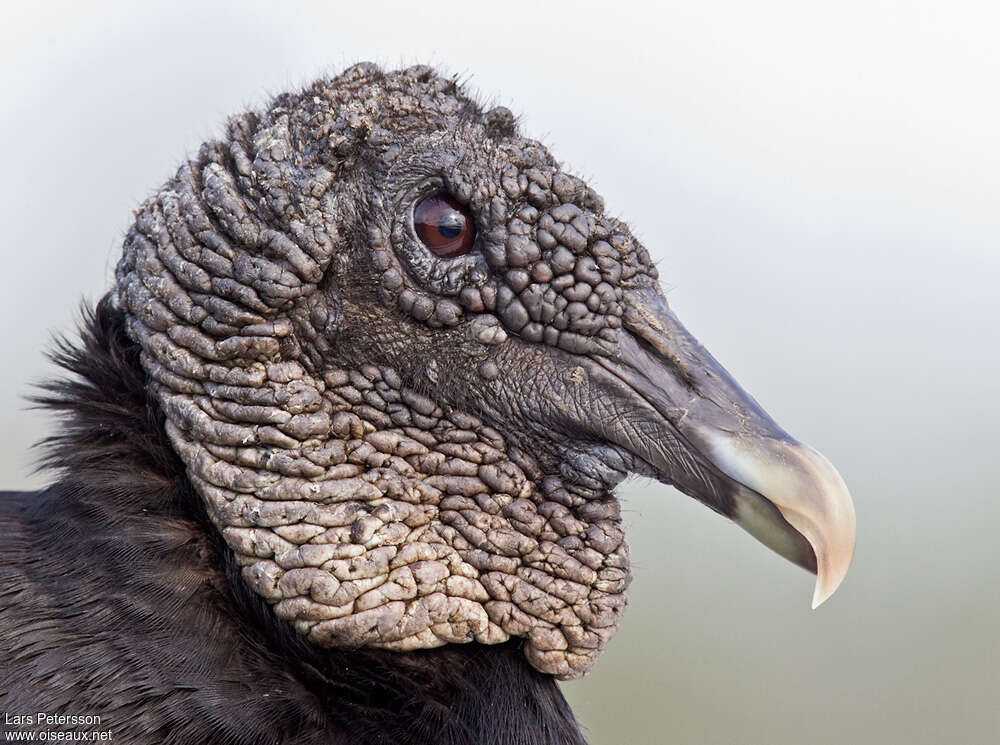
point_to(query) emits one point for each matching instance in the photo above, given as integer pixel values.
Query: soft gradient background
(820, 184)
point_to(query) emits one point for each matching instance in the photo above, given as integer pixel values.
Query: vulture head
(405, 358)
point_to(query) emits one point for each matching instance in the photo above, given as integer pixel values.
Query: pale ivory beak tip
(822, 593)
(820, 596)
(829, 577)
(810, 496)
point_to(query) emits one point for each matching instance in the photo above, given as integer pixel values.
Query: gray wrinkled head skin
(395, 446)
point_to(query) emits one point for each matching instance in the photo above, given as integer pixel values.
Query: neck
(118, 469)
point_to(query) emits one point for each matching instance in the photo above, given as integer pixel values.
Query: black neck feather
(157, 603)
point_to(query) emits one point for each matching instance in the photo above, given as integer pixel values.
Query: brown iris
(444, 226)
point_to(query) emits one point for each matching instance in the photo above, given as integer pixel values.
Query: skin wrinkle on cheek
(414, 532)
(366, 512)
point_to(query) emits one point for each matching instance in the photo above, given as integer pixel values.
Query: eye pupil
(451, 225)
(444, 226)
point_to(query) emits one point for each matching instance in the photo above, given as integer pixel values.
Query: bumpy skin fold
(390, 443)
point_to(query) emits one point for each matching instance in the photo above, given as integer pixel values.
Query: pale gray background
(820, 185)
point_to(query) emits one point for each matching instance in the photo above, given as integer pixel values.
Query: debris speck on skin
(489, 370)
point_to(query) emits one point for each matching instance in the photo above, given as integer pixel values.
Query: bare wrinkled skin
(389, 441)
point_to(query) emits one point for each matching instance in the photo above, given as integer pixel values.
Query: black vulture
(337, 453)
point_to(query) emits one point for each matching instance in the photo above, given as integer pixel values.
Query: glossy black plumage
(118, 599)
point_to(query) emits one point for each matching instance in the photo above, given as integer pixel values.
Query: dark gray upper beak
(686, 417)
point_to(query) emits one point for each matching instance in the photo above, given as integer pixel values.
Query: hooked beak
(695, 428)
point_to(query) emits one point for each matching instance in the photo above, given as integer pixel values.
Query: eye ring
(444, 226)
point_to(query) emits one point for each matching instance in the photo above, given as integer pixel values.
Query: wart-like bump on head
(405, 358)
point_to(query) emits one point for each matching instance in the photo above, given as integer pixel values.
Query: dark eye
(444, 226)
